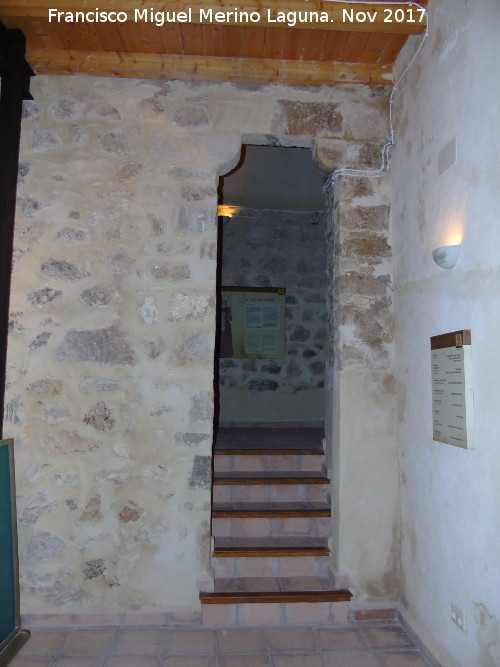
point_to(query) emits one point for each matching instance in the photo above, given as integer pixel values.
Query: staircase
(270, 526)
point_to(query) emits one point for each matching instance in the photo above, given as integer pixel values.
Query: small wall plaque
(452, 393)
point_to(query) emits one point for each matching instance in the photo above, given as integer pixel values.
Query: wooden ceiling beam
(208, 68)
(383, 18)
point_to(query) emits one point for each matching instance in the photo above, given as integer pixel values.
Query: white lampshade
(446, 256)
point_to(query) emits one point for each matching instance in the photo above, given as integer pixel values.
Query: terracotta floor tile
(388, 637)
(122, 661)
(298, 660)
(402, 659)
(287, 640)
(43, 642)
(30, 661)
(191, 642)
(89, 642)
(79, 662)
(350, 659)
(140, 641)
(334, 639)
(189, 661)
(244, 640)
(245, 661)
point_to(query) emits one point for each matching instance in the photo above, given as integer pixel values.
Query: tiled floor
(361, 644)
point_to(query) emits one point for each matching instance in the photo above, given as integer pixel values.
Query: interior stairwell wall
(279, 249)
(450, 497)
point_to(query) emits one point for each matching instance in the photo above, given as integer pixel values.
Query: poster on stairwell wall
(452, 389)
(252, 322)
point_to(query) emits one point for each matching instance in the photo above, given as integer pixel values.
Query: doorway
(272, 237)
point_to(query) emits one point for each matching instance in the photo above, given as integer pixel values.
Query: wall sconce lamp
(446, 256)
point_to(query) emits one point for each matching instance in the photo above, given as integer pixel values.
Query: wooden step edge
(268, 452)
(269, 514)
(254, 479)
(254, 552)
(343, 595)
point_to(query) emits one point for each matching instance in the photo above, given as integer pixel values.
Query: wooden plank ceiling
(262, 50)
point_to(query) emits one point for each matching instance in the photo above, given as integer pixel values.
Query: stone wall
(360, 387)
(279, 249)
(110, 359)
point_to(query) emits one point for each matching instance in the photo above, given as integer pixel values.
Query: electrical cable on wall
(386, 149)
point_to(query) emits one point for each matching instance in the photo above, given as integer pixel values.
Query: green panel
(8, 597)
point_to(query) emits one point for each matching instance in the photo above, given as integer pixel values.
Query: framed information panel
(252, 322)
(11, 635)
(452, 392)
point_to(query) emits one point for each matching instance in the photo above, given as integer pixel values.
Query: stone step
(270, 493)
(265, 462)
(268, 510)
(265, 526)
(250, 547)
(277, 584)
(275, 439)
(296, 608)
(270, 566)
(275, 478)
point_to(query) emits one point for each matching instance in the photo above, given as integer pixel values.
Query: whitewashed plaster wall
(110, 359)
(450, 498)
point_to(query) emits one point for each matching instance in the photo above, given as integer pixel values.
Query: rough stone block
(191, 220)
(202, 407)
(262, 385)
(149, 310)
(113, 141)
(311, 118)
(68, 442)
(36, 508)
(120, 262)
(43, 545)
(65, 108)
(61, 268)
(190, 439)
(71, 234)
(45, 140)
(89, 385)
(92, 512)
(369, 218)
(301, 334)
(105, 346)
(93, 568)
(131, 512)
(193, 348)
(46, 386)
(196, 192)
(41, 340)
(192, 116)
(99, 417)
(158, 225)
(171, 272)
(201, 473)
(366, 248)
(362, 284)
(190, 306)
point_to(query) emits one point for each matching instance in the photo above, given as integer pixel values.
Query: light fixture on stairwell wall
(446, 256)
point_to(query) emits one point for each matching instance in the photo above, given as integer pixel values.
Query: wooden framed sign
(452, 391)
(253, 322)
